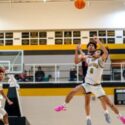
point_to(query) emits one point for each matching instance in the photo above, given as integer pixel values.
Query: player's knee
(111, 105)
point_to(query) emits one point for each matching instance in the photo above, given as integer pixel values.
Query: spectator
(22, 77)
(39, 75)
(47, 78)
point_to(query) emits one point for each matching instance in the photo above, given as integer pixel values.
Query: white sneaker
(89, 122)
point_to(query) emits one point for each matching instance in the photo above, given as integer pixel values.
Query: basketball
(80, 4)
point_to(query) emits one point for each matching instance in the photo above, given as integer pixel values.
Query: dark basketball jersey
(84, 69)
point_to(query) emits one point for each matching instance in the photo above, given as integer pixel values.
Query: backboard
(12, 60)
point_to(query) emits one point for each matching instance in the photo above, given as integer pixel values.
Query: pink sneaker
(60, 108)
(122, 119)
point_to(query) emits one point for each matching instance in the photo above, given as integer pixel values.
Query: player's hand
(78, 47)
(96, 39)
(10, 102)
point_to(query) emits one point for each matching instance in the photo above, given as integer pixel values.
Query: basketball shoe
(122, 119)
(60, 108)
(107, 118)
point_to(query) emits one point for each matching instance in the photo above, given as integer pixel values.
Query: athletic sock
(65, 104)
(119, 115)
(88, 117)
(106, 112)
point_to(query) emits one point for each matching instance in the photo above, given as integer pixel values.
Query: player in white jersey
(93, 81)
(93, 76)
(3, 113)
(95, 66)
(91, 47)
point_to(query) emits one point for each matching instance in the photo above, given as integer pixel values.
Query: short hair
(93, 43)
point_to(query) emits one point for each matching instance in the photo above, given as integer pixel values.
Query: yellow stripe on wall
(117, 56)
(64, 47)
(54, 91)
(39, 47)
(55, 47)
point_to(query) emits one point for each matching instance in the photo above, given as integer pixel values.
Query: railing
(68, 73)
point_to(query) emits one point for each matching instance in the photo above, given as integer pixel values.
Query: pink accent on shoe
(60, 108)
(122, 119)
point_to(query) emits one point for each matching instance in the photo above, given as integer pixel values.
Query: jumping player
(92, 81)
(91, 46)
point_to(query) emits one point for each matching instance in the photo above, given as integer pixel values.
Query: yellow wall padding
(54, 91)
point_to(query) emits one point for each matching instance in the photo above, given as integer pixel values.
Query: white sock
(119, 115)
(65, 104)
(106, 112)
(88, 117)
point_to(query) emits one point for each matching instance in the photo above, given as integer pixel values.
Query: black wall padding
(13, 110)
(17, 121)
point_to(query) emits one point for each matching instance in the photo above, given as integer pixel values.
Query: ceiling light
(44, 0)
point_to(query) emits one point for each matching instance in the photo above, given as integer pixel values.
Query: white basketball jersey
(95, 70)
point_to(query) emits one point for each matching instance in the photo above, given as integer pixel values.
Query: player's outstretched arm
(79, 57)
(105, 54)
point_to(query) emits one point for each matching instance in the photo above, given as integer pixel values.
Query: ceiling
(30, 1)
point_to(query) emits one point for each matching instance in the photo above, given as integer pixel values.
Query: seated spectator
(22, 77)
(39, 75)
(47, 78)
(73, 74)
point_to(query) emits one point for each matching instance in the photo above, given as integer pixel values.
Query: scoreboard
(119, 96)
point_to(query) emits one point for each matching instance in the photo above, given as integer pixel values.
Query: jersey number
(91, 70)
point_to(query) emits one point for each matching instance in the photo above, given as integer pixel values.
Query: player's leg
(5, 116)
(78, 89)
(110, 104)
(99, 92)
(87, 108)
(106, 112)
(74, 91)
(114, 108)
(87, 103)
(5, 119)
